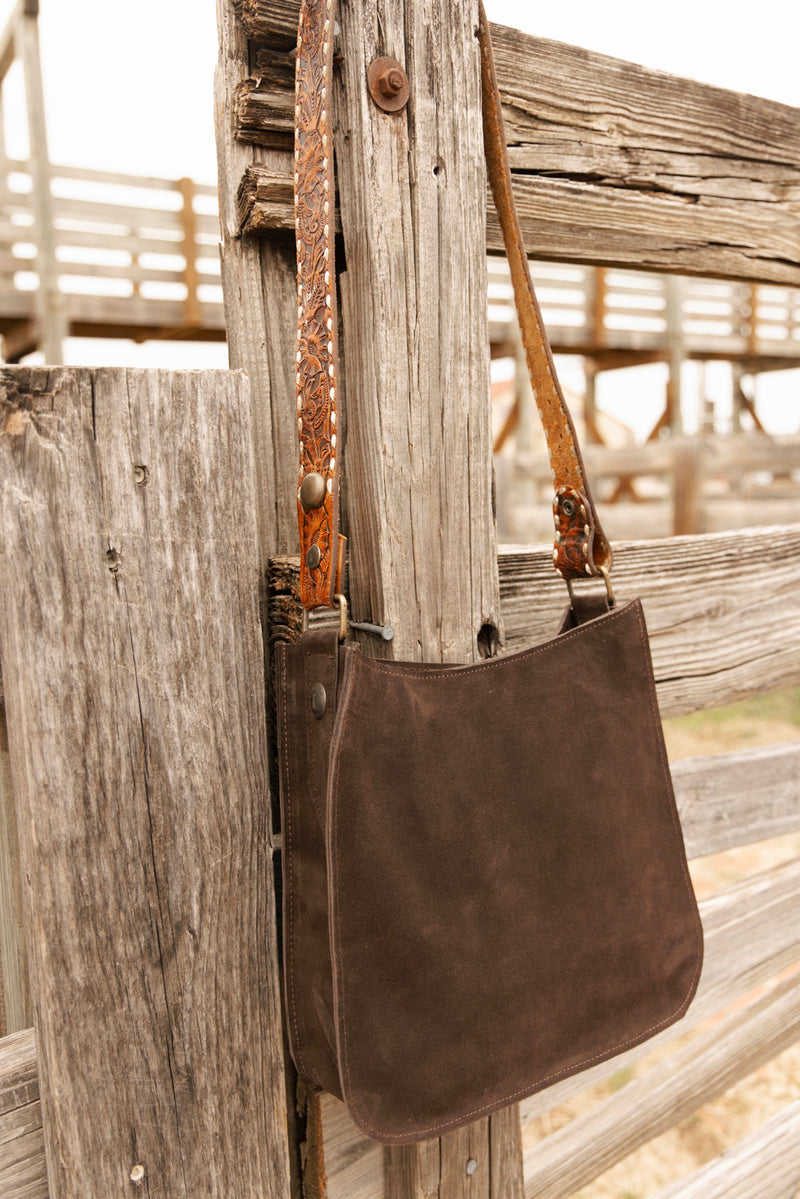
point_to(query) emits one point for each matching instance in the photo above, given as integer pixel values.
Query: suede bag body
(485, 883)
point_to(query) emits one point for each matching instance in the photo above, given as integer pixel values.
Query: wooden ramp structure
(147, 542)
(135, 257)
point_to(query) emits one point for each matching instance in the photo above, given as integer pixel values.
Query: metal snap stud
(313, 557)
(312, 491)
(319, 700)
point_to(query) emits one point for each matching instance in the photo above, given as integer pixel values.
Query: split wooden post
(418, 454)
(132, 665)
(260, 293)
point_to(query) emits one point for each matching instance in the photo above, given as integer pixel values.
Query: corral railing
(605, 313)
(135, 256)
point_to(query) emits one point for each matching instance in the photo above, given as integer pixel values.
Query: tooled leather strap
(581, 547)
(321, 546)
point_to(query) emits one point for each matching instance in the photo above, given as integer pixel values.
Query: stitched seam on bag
(534, 1083)
(460, 672)
(288, 859)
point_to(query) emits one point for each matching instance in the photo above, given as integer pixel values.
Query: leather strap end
(321, 557)
(580, 548)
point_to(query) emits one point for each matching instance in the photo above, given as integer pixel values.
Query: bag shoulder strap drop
(581, 547)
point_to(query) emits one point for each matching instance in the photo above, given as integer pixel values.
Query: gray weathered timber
(717, 1058)
(418, 453)
(23, 1173)
(259, 289)
(767, 1163)
(418, 448)
(132, 665)
(14, 982)
(618, 164)
(738, 798)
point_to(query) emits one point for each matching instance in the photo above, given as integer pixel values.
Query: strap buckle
(612, 599)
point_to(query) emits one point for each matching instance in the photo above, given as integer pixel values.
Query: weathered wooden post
(131, 656)
(417, 456)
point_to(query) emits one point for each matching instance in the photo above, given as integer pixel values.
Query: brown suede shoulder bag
(469, 916)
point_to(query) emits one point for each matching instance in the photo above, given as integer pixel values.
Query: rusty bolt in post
(388, 84)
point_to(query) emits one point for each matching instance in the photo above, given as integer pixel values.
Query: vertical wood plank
(505, 1149)
(418, 452)
(16, 996)
(132, 663)
(260, 295)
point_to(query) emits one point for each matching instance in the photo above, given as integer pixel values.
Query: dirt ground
(753, 1101)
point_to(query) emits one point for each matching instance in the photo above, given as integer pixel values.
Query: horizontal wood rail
(772, 1152)
(613, 163)
(715, 1059)
(621, 318)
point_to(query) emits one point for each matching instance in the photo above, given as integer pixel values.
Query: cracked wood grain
(613, 163)
(132, 666)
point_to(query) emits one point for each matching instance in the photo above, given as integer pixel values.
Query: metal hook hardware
(342, 602)
(380, 630)
(606, 579)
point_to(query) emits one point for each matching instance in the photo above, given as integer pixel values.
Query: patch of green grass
(763, 709)
(621, 1079)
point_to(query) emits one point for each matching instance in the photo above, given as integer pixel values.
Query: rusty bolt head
(391, 82)
(388, 84)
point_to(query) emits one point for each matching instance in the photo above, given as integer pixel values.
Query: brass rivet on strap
(313, 557)
(312, 491)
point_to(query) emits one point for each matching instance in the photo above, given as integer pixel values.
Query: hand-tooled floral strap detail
(316, 305)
